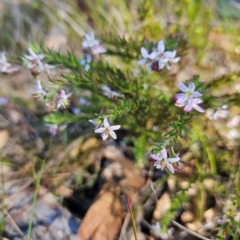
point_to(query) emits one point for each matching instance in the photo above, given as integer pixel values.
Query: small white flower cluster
(156, 228)
(54, 128)
(36, 64)
(92, 44)
(60, 101)
(234, 122)
(221, 113)
(109, 93)
(91, 48)
(157, 59)
(85, 62)
(189, 98)
(105, 129)
(5, 66)
(162, 160)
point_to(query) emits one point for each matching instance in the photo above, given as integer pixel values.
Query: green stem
(206, 149)
(132, 218)
(38, 179)
(3, 203)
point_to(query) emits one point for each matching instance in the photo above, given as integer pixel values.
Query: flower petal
(172, 160)
(144, 52)
(183, 87)
(168, 66)
(196, 94)
(116, 127)
(100, 130)
(164, 153)
(149, 67)
(189, 106)
(175, 60)
(170, 167)
(180, 98)
(153, 55)
(142, 61)
(30, 58)
(161, 64)
(170, 55)
(191, 86)
(113, 134)
(155, 157)
(106, 123)
(104, 136)
(32, 53)
(198, 108)
(161, 46)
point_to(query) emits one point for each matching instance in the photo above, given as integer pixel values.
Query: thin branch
(189, 231)
(15, 225)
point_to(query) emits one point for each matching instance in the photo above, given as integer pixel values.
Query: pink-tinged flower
(46, 68)
(90, 41)
(52, 129)
(107, 130)
(162, 160)
(63, 100)
(189, 99)
(191, 103)
(234, 122)
(221, 112)
(147, 59)
(40, 92)
(96, 50)
(5, 66)
(170, 56)
(109, 93)
(35, 60)
(233, 134)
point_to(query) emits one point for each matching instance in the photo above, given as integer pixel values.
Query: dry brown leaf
(104, 218)
(4, 136)
(163, 205)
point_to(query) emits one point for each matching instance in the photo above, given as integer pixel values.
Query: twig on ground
(188, 230)
(15, 225)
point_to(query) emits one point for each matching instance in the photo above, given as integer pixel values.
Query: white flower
(192, 103)
(5, 66)
(90, 41)
(63, 99)
(147, 59)
(162, 60)
(52, 129)
(3, 101)
(234, 122)
(233, 134)
(46, 67)
(162, 160)
(107, 130)
(189, 98)
(35, 60)
(157, 230)
(40, 92)
(96, 50)
(221, 112)
(171, 58)
(85, 62)
(109, 93)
